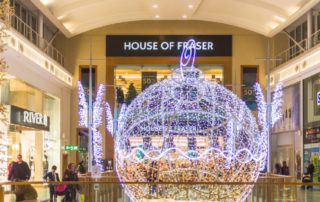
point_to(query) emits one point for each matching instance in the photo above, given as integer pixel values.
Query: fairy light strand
(98, 108)
(83, 106)
(186, 128)
(109, 119)
(276, 105)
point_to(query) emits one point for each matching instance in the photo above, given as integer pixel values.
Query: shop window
(85, 77)
(132, 79)
(249, 78)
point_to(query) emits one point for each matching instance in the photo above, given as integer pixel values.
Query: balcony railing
(36, 39)
(296, 50)
(109, 189)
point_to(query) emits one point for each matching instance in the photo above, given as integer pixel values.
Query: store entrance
(131, 80)
(33, 146)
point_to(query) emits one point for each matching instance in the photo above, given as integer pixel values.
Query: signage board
(249, 78)
(318, 98)
(29, 119)
(96, 187)
(148, 78)
(71, 147)
(166, 45)
(96, 172)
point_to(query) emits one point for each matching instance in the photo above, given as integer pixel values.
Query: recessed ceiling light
(190, 6)
(157, 16)
(281, 19)
(155, 6)
(184, 16)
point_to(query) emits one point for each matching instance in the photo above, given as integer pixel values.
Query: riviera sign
(167, 45)
(29, 119)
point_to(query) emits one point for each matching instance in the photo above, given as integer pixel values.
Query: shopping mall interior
(160, 100)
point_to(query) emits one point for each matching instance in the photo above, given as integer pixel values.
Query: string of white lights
(276, 105)
(109, 119)
(186, 128)
(98, 107)
(83, 106)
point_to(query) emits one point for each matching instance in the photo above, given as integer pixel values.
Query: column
(40, 30)
(309, 29)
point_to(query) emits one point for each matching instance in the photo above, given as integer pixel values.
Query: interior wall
(247, 47)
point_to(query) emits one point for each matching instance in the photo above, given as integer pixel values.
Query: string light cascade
(98, 107)
(189, 129)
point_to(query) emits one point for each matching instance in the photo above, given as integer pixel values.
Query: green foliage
(120, 95)
(131, 94)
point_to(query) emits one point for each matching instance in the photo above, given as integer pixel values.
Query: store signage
(318, 98)
(28, 118)
(148, 78)
(167, 45)
(71, 147)
(312, 135)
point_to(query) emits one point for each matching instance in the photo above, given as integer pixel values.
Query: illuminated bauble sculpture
(189, 129)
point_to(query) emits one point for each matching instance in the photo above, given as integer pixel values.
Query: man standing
(53, 177)
(310, 170)
(20, 172)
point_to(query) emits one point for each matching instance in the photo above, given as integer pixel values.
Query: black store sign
(167, 45)
(28, 118)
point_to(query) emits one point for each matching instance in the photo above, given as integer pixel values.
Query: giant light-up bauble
(188, 129)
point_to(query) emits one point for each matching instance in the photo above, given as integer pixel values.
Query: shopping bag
(60, 189)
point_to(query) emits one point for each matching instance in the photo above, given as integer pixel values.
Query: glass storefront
(132, 79)
(27, 108)
(286, 137)
(311, 123)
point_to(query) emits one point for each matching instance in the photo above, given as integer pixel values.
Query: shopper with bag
(52, 176)
(70, 175)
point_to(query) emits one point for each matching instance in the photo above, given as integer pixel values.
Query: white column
(309, 29)
(40, 30)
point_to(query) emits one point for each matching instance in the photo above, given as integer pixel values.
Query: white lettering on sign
(140, 45)
(165, 45)
(35, 118)
(318, 98)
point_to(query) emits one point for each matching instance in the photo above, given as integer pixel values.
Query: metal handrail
(294, 51)
(33, 36)
(160, 183)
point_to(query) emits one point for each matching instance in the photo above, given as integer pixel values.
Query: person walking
(20, 171)
(53, 176)
(70, 175)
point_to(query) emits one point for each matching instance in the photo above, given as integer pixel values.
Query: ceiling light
(155, 6)
(281, 19)
(190, 6)
(61, 17)
(157, 16)
(47, 2)
(184, 16)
